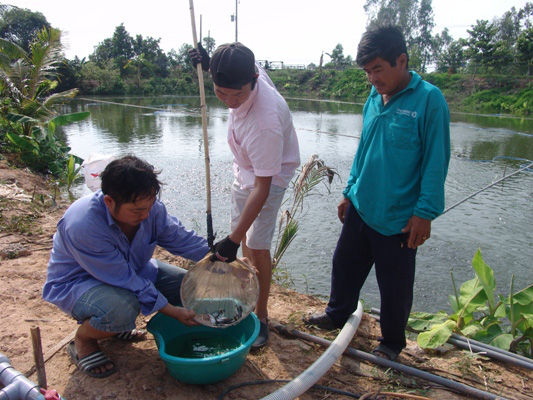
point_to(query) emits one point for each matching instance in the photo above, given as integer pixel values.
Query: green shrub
(486, 101)
(481, 313)
(524, 104)
(443, 81)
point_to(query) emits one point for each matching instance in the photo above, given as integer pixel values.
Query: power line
(487, 187)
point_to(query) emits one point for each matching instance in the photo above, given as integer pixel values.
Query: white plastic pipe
(311, 375)
(16, 385)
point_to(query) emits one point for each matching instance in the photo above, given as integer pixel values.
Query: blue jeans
(114, 309)
(359, 248)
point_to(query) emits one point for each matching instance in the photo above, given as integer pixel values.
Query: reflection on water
(499, 220)
(516, 124)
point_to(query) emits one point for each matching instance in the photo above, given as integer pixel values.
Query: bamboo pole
(210, 235)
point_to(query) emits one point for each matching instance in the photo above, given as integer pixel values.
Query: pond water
(167, 132)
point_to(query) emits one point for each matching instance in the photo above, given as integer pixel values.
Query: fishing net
(222, 294)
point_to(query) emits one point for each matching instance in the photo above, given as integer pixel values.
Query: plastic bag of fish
(222, 294)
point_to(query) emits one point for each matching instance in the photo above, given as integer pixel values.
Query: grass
(22, 222)
(282, 277)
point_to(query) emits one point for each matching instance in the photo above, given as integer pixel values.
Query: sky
(293, 31)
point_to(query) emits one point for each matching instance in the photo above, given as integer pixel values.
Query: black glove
(199, 56)
(225, 250)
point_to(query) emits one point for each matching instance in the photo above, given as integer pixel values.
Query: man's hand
(225, 250)
(183, 315)
(419, 231)
(341, 209)
(199, 56)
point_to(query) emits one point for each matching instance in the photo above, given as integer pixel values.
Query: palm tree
(27, 79)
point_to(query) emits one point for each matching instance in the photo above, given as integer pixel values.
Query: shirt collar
(100, 196)
(415, 79)
(245, 107)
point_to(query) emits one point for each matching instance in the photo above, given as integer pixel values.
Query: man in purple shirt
(101, 269)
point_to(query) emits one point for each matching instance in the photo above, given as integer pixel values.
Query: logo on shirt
(408, 113)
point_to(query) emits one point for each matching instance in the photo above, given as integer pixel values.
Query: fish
(218, 318)
(238, 312)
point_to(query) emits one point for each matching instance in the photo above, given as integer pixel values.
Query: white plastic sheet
(93, 166)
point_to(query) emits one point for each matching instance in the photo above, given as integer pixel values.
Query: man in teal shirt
(395, 189)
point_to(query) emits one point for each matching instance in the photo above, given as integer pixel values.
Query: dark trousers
(359, 248)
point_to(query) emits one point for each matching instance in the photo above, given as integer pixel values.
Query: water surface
(498, 221)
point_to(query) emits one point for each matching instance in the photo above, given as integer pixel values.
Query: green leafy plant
(30, 79)
(73, 171)
(29, 119)
(312, 174)
(482, 314)
(40, 149)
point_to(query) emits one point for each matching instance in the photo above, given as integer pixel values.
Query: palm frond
(313, 172)
(289, 233)
(58, 98)
(9, 52)
(27, 79)
(45, 58)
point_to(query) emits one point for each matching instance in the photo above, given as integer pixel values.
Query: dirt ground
(26, 229)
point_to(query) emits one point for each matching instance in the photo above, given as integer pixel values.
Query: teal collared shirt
(402, 160)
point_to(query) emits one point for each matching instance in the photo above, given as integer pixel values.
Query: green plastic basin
(209, 369)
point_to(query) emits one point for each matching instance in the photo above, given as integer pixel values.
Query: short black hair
(129, 178)
(385, 41)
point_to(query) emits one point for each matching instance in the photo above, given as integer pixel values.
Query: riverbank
(467, 93)
(28, 216)
(486, 94)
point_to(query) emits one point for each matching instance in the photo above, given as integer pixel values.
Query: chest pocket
(403, 132)
(142, 249)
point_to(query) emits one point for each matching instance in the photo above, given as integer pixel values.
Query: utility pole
(234, 19)
(236, 22)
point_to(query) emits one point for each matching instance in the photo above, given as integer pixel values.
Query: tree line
(36, 78)
(136, 65)
(503, 45)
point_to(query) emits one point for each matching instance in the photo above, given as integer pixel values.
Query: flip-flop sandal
(391, 355)
(90, 362)
(132, 336)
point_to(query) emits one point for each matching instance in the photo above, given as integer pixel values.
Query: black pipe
(496, 349)
(488, 350)
(465, 345)
(459, 387)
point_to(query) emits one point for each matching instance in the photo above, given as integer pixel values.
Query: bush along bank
(485, 94)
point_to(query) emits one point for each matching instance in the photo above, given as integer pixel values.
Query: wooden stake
(50, 353)
(38, 356)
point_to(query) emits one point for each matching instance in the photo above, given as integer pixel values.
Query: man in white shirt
(265, 151)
